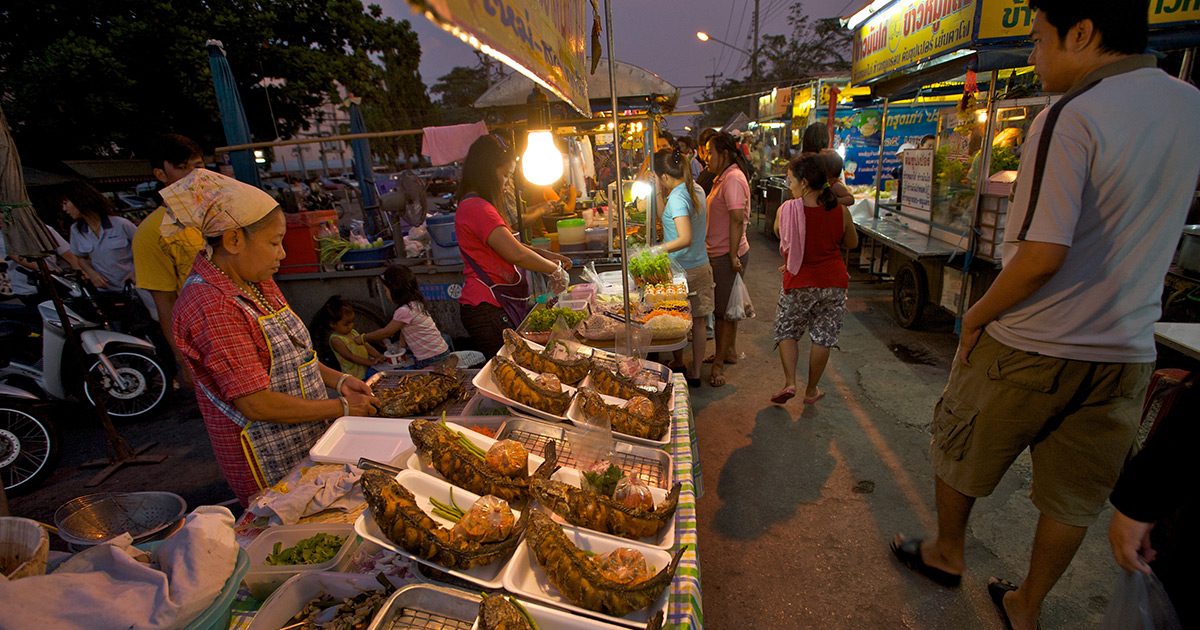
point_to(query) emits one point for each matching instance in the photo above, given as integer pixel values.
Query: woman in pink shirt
(728, 215)
(493, 294)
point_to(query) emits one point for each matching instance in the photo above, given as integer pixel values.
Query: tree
(399, 102)
(810, 49)
(88, 79)
(458, 90)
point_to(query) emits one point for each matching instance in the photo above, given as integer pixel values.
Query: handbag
(513, 298)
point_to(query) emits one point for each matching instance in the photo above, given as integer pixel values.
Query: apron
(273, 449)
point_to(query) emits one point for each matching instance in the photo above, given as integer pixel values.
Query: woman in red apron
(495, 294)
(259, 384)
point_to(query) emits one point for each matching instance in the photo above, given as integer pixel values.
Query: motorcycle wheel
(28, 446)
(146, 386)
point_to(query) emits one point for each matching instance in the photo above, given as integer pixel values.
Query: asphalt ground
(800, 501)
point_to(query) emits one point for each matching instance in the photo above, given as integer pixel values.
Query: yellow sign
(543, 39)
(1013, 19)
(801, 104)
(909, 32)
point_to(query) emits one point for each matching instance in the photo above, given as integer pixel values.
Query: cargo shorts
(1079, 419)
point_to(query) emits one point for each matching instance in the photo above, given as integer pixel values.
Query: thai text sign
(908, 32)
(542, 39)
(917, 180)
(1013, 19)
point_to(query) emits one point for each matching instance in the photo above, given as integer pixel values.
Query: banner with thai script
(917, 180)
(1013, 19)
(909, 32)
(861, 131)
(543, 39)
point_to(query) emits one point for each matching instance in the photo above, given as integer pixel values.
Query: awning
(112, 171)
(633, 82)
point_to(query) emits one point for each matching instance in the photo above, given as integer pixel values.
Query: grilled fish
(465, 470)
(517, 385)
(596, 511)
(497, 613)
(578, 579)
(610, 383)
(422, 393)
(625, 421)
(406, 524)
(568, 371)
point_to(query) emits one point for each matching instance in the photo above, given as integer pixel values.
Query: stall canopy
(636, 88)
(233, 116)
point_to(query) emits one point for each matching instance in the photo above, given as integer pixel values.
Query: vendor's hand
(1130, 542)
(97, 280)
(565, 260)
(559, 280)
(361, 404)
(355, 385)
(735, 263)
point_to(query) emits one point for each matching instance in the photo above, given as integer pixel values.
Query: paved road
(799, 501)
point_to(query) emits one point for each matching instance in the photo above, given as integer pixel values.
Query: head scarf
(212, 203)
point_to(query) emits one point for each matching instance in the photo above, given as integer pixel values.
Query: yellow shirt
(163, 263)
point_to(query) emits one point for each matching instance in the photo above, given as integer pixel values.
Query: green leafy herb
(314, 550)
(648, 268)
(542, 320)
(605, 483)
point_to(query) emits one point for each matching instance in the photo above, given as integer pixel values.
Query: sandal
(710, 358)
(997, 588)
(909, 554)
(692, 382)
(819, 396)
(676, 367)
(784, 396)
(716, 379)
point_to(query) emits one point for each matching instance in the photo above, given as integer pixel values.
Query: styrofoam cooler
(444, 239)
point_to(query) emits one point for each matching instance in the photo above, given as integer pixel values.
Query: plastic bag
(636, 344)
(623, 565)
(740, 306)
(508, 457)
(650, 265)
(1139, 602)
(633, 492)
(488, 520)
(562, 343)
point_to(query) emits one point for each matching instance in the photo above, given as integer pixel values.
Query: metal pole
(620, 201)
(1185, 69)
(879, 166)
(985, 165)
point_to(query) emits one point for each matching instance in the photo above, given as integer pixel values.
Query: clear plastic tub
(263, 579)
(304, 587)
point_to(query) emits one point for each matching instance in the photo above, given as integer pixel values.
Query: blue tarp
(364, 170)
(233, 117)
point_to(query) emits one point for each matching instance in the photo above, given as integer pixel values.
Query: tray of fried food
(567, 360)
(543, 395)
(652, 465)
(475, 462)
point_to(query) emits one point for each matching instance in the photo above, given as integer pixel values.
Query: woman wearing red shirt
(493, 296)
(813, 230)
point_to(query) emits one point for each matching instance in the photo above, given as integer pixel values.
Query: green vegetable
(314, 550)
(542, 320)
(464, 441)
(605, 483)
(525, 613)
(449, 512)
(333, 248)
(648, 268)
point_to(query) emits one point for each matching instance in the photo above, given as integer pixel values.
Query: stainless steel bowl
(95, 518)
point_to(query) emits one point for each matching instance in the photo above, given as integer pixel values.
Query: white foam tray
(553, 619)
(525, 578)
(423, 486)
(576, 417)
(486, 385)
(416, 461)
(384, 440)
(664, 539)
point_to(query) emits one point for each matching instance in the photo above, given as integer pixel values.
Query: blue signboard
(441, 292)
(861, 131)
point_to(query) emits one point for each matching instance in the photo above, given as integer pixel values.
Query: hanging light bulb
(542, 163)
(640, 189)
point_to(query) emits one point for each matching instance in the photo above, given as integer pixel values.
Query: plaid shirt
(227, 353)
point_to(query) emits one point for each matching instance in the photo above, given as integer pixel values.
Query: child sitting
(421, 334)
(335, 322)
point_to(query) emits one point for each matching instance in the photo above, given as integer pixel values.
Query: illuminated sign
(1013, 19)
(909, 32)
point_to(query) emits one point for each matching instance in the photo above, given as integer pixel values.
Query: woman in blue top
(684, 220)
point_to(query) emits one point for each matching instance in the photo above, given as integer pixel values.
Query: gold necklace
(251, 291)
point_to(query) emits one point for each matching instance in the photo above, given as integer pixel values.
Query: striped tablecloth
(684, 606)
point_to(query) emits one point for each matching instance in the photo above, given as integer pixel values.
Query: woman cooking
(259, 384)
(495, 292)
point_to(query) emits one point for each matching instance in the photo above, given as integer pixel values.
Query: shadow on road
(785, 465)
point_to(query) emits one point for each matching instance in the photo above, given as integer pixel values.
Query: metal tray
(455, 406)
(654, 466)
(427, 607)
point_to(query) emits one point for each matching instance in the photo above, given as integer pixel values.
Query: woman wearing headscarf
(259, 384)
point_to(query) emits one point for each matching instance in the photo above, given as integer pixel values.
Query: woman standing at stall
(259, 384)
(685, 222)
(728, 249)
(812, 230)
(495, 293)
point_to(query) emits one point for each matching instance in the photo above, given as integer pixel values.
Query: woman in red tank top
(813, 231)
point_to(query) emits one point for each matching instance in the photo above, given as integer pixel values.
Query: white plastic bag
(740, 306)
(1139, 603)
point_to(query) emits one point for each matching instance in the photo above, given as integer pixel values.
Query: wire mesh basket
(95, 518)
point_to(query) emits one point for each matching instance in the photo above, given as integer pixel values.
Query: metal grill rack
(413, 619)
(650, 465)
(452, 407)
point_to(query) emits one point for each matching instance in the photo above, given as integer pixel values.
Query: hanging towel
(449, 144)
(589, 162)
(791, 234)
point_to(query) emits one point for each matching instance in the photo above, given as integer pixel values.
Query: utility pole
(754, 51)
(713, 82)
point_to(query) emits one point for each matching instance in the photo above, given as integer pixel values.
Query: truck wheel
(910, 292)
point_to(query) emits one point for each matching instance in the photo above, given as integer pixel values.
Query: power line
(725, 35)
(738, 34)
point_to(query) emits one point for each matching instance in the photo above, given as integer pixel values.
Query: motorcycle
(29, 441)
(124, 366)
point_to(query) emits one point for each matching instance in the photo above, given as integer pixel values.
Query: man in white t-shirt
(1056, 356)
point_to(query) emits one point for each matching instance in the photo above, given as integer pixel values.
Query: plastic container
(263, 579)
(444, 240)
(583, 291)
(300, 240)
(554, 242)
(368, 258)
(596, 238)
(24, 547)
(541, 242)
(218, 613)
(302, 588)
(571, 232)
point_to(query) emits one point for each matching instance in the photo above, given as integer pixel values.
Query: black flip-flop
(909, 554)
(692, 382)
(997, 590)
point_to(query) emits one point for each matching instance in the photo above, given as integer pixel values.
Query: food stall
(938, 229)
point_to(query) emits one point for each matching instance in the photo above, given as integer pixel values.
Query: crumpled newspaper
(308, 491)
